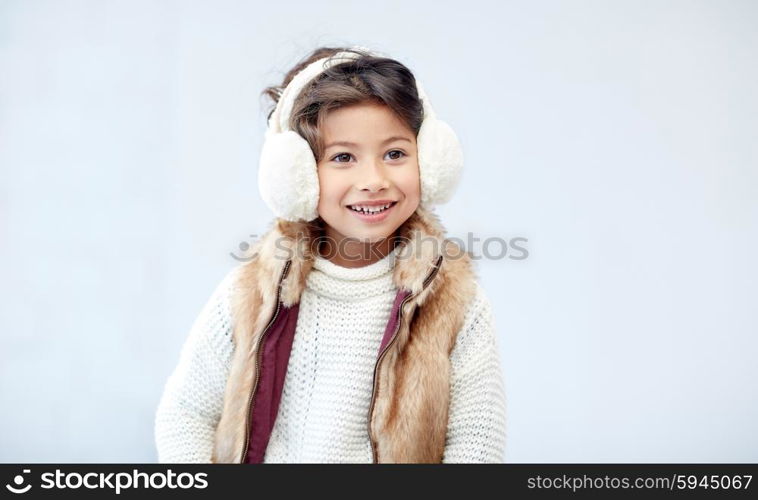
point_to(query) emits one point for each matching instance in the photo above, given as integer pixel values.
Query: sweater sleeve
(476, 425)
(190, 406)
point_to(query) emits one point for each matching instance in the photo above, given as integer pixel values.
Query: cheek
(409, 182)
(331, 188)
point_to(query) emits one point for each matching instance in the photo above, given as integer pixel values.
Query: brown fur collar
(409, 419)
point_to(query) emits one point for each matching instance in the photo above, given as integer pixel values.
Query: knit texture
(322, 417)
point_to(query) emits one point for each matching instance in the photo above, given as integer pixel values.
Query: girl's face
(370, 155)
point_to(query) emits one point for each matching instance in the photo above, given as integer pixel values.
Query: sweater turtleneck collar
(352, 283)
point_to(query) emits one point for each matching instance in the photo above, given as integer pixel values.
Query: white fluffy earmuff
(287, 176)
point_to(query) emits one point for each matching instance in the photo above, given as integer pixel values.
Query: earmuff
(287, 176)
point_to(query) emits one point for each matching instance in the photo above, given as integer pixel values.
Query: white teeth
(370, 210)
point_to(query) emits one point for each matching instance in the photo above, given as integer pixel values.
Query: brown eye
(396, 151)
(341, 155)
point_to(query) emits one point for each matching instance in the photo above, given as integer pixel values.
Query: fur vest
(408, 413)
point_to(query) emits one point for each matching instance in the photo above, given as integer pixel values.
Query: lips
(375, 216)
(373, 207)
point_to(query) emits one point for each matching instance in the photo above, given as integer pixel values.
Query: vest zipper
(257, 363)
(427, 280)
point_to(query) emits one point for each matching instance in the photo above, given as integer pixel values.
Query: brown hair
(366, 79)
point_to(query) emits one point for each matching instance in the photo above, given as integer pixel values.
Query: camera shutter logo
(18, 481)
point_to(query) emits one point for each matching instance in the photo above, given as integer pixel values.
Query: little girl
(357, 332)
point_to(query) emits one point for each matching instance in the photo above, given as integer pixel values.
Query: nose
(374, 177)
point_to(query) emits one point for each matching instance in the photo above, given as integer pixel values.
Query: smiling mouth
(369, 212)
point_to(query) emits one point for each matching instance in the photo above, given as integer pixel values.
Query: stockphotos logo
(116, 481)
(18, 481)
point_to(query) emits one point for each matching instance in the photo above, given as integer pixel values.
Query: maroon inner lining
(274, 360)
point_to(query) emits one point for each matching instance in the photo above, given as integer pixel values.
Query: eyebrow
(352, 144)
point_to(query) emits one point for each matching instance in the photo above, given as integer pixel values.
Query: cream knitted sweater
(322, 417)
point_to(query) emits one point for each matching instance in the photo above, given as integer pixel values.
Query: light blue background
(618, 137)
